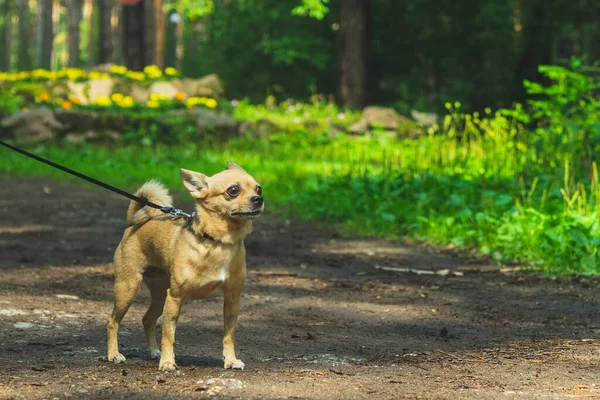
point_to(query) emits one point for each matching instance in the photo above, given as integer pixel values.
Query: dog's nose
(257, 201)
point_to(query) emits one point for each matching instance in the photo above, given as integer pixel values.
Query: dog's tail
(153, 191)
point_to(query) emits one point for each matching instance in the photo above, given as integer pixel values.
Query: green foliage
(316, 9)
(9, 103)
(260, 48)
(568, 113)
(510, 184)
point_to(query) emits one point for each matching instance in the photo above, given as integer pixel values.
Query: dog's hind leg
(158, 292)
(126, 286)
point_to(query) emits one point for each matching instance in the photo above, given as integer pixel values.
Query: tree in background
(353, 44)
(105, 47)
(44, 34)
(24, 36)
(5, 35)
(159, 24)
(75, 12)
(133, 34)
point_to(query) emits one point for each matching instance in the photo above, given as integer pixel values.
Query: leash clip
(177, 212)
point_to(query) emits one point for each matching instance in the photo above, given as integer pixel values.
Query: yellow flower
(116, 97)
(171, 71)
(194, 101)
(136, 76)
(97, 75)
(118, 70)
(103, 101)
(127, 102)
(44, 97)
(153, 104)
(152, 71)
(66, 105)
(180, 96)
(211, 103)
(75, 100)
(154, 97)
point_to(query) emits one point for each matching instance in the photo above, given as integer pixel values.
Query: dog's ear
(195, 182)
(232, 165)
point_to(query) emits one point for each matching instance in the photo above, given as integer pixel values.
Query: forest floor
(320, 317)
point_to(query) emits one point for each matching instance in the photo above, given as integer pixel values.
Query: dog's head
(232, 193)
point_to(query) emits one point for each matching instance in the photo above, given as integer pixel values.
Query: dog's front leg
(231, 310)
(171, 314)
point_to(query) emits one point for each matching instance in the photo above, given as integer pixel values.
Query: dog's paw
(154, 354)
(118, 359)
(167, 365)
(234, 364)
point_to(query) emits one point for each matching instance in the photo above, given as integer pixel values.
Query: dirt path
(319, 320)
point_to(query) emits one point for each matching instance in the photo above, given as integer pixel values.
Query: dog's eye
(234, 191)
(259, 190)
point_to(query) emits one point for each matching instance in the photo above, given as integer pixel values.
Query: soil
(323, 316)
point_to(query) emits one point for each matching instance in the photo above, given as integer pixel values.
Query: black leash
(145, 202)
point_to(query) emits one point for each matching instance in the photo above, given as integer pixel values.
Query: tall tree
(353, 52)
(159, 23)
(538, 35)
(44, 34)
(170, 44)
(133, 34)
(5, 35)
(105, 31)
(23, 53)
(75, 13)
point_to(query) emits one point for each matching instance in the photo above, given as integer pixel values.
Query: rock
(163, 88)
(210, 85)
(382, 117)
(98, 88)
(10, 312)
(67, 297)
(101, 136)
(31, 126)
(23, 325)
(76, 120)
(223, 383)
(247, 128)
(77, 90)
(140, 94)
(223, 125)
(311, 124)
(90, 91)
(423, 118)
(187, 86)
(360, 127)
(262, 128)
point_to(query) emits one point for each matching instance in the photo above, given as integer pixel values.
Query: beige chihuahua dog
(182, 260)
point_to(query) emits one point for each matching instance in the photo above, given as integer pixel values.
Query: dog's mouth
(247, 214)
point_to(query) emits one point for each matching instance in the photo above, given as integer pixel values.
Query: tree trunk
(353, 52)
(89, 15)
(537, 44)
(23, 54)
(74, 14)
(44, 35)
(133, 35)
(104, 31)
(170, 49)
(159, 40)
(149, 32)
(6, 36)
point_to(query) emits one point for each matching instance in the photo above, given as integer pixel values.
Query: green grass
(519, 184)
(436, 189)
